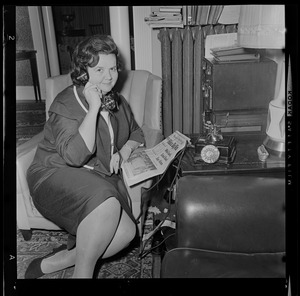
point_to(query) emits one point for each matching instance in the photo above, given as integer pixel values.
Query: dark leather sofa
(228, 226)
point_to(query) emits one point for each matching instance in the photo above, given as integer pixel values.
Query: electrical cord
(155, 184)
(141, 255)
(148, 251)
(180, 155)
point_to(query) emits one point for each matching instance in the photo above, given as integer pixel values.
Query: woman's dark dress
(62, 189)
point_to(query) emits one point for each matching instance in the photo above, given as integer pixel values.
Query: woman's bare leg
(94, 234)
(110, 214)
(124, 235)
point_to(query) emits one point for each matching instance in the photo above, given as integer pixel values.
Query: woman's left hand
(125, 152)
(115, 163)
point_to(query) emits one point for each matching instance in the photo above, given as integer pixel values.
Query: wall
(84, 15)
(146, 44)
(156, 54)
(23, 41)
(30, 35)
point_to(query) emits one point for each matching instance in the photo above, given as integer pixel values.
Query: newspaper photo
(148, 163)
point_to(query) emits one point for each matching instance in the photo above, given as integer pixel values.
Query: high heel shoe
(34, 270)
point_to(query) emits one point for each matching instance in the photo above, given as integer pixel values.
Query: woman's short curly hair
(86, 53)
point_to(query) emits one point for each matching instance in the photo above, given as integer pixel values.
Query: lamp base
(274, 147)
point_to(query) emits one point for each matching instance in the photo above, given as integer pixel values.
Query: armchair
(237, 231)
(143, 92)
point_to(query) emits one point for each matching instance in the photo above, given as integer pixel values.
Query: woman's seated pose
(74, 178)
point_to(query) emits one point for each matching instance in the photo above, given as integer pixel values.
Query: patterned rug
(30, 120)
(30, 117)
(124, 265)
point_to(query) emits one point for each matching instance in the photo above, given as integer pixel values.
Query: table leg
(35, 78)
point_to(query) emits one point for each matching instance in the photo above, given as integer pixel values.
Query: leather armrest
(197, 263)
(231, 213)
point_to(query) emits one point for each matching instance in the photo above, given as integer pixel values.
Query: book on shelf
(238, 57)
(170, 8)
(194, 13)
(228, 50)
(214, 13)
(184, 15)
(165, 24)
(211, 14)
(204, 15)
(234, 53)
(189, 15)
(198, 14)
(218, 13)
(163, 18)
(153, 18)
(166, 14)
(145, 164)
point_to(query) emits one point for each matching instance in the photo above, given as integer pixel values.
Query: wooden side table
(246, 160)
(31, 56)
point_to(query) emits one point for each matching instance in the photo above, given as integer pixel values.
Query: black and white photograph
(89, 88)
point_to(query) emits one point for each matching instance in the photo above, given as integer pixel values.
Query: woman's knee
(113, 203)
(108, 210)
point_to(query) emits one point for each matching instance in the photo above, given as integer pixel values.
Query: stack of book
(165, 16)
(234, 54)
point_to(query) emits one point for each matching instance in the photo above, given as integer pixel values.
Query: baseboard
(25, 93)
(31, 101)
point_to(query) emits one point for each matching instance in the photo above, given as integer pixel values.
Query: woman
(74, 178)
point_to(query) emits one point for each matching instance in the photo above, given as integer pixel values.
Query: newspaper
(148, 163)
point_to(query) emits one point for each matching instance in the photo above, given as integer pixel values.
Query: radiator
(182, 51)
